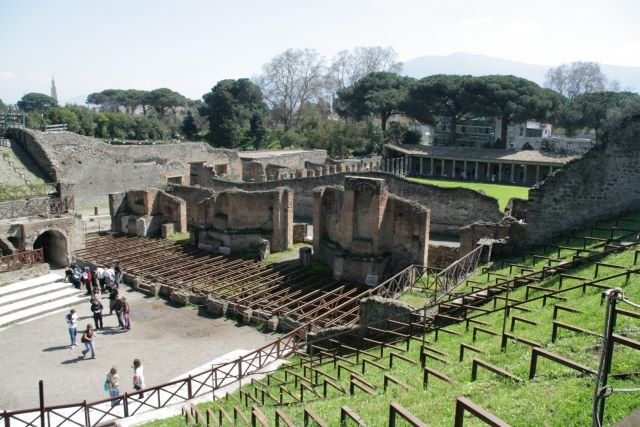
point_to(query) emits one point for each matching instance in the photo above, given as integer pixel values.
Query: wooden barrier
(281, 416)
(429, 371)
(539, 352)
(309, 415)
(463, 404)
(488, 366)
(397, 411)
(348, 413)
(390, 378)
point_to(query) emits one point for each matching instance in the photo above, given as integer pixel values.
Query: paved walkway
(170, 341)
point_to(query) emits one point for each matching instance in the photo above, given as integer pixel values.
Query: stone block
(167, 230)
(305, 256)
(272, 323)
(141, 227)
(180, 297)
(203, 247)
(263, 249)
(224, 250)
(217, 307)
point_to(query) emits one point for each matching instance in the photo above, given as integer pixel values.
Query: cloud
(7, 75)
(477, 22)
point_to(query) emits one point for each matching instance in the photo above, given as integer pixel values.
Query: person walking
(118, 306)
(88, 338)
(113, 296)
(72, 324)
(96, 309)
(126, 313)
(138, 377)
(112, 383)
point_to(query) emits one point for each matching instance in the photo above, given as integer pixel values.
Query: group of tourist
(102, 281)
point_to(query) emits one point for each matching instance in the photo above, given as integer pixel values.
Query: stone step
(35, 291)
(38, 311)
(30, 283)
(36, 301)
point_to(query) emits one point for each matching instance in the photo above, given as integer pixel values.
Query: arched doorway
(54, 248)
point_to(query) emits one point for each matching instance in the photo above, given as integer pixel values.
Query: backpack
(68, 317)
(107, 384)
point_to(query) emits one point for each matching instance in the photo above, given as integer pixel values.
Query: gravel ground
(170, 341)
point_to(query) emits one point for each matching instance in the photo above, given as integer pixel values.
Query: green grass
(501, 192)
(556, 397)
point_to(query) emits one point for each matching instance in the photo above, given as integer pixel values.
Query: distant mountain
(481, 65)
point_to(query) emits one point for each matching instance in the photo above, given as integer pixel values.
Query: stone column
(431, 170)
(442, 167)
(421, 158)
(488, 171)
(464, 170)
(524, 174)
(476, 171)
(499, 172)
(453, 169)
(537, 173)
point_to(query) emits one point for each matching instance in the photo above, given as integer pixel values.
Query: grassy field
(557, 396)
(501, 192)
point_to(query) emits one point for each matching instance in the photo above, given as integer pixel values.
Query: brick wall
(451, 208)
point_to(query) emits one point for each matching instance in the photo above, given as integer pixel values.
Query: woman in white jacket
(138, 376)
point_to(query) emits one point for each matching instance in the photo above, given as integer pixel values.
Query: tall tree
(36, 103)
(349, 67)
(231, 105)
(290, 80)
(512, 99)
(576, 78)
(379, 94)
(189, 127)
(452, 96)
(164, 99)
(598, 111)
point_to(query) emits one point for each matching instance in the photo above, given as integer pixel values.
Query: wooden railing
(20, 260)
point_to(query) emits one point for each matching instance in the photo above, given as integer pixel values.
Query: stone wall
(601, 184)
(193, 196)
(441, 256)
(98, 168)
(144, 212)
(364, 233)
(240, 220)
(373, 309)
(451, 208)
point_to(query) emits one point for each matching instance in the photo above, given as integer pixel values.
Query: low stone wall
(451, 208)
(373, 309)
(441, 256)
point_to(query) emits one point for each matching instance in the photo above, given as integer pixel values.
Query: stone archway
(54, 248)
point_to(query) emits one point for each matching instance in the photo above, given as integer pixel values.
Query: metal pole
(41, 393)
(504, 318)
(607, 353)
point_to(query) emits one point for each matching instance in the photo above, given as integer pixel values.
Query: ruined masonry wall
(98, 169)
(451, 208)
(602, 184)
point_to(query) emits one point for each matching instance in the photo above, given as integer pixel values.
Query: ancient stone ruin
(365, 234)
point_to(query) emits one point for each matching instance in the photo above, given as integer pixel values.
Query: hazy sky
(189, 45)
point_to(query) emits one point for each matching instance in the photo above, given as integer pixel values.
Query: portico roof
(483, 154)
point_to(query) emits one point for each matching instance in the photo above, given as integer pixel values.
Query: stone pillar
(537, 173)
(431, 170)
(499, 172)
(476, 172)
(442, 167)
(421, 166)
(524, 174)
(488, 171)
(513, 167)
(453, 169)
(407, 166)
(464, 170)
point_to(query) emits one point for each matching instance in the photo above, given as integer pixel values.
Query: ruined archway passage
(54, 248)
